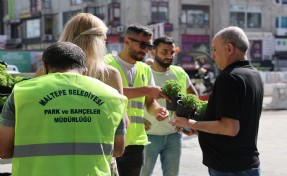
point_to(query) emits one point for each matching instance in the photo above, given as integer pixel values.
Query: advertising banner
(26, 61)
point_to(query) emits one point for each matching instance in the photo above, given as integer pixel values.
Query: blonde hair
(88, 32)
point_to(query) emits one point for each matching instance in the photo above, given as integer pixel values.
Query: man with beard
(165, 139)
(141, 91)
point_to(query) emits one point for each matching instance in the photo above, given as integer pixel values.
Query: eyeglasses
(143, 45)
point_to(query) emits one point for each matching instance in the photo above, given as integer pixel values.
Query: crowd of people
(88, 112)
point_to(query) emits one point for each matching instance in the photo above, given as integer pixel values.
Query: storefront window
(68, 15)
(114, 11)
(46, 4)
(237, 19)
(75, 2)
(33, 28)
(195, 16)
(33, 5)
(159, 12)
(244, 17)
(253, 20)
(97, 11)
(281, 22)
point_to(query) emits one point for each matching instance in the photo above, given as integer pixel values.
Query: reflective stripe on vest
(62, 149)
(135, 104)
(136, 119)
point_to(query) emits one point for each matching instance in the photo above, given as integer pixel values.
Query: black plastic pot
(171, 106)
(6, 89)
(182, 111)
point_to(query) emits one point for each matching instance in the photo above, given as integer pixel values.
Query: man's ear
(230, 48)
(126, 41)
(85, 72)
(153, 51)
(45, 68)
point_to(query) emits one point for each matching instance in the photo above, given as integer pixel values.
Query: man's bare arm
(6, 141)
(224, 126)
(154, 109)
(154, 92)
(119, 145)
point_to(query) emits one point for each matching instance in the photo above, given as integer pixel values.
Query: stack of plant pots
(182, 105)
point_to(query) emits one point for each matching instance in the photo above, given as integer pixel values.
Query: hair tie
(92, 31)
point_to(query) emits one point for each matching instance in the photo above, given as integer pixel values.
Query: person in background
(228, 131)
(89, 32)
(141, 91)
(164, 139)
(204, 74)
(61, 123)
(149, 61)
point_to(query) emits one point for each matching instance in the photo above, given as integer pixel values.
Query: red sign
(113, 38)
(168, 27)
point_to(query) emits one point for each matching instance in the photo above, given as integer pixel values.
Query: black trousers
(131, 162)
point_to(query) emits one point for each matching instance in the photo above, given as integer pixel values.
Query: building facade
(35, 24)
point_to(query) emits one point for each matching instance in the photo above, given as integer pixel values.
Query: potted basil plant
(172, 89)
(187, 105)
(201, 107)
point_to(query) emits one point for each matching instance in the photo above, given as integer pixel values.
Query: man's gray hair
(235, 36)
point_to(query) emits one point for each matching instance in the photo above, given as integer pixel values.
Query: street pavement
(272, 145)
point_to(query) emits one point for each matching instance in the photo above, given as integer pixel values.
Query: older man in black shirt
(228, 131)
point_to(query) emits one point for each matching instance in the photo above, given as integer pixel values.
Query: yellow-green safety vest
(65, 126)
(180, 76)
(136, 134)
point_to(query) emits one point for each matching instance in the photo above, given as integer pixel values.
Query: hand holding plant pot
(187, 106)
(172, 89)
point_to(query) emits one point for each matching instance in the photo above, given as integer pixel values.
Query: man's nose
(212, 55)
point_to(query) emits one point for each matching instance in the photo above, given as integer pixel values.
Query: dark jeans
(131, 162)
(249, 172)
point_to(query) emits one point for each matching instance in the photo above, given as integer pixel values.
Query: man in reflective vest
(62, 123)
(141, 91)
(165, 139)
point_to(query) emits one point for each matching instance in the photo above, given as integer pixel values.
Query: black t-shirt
(237, 94)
